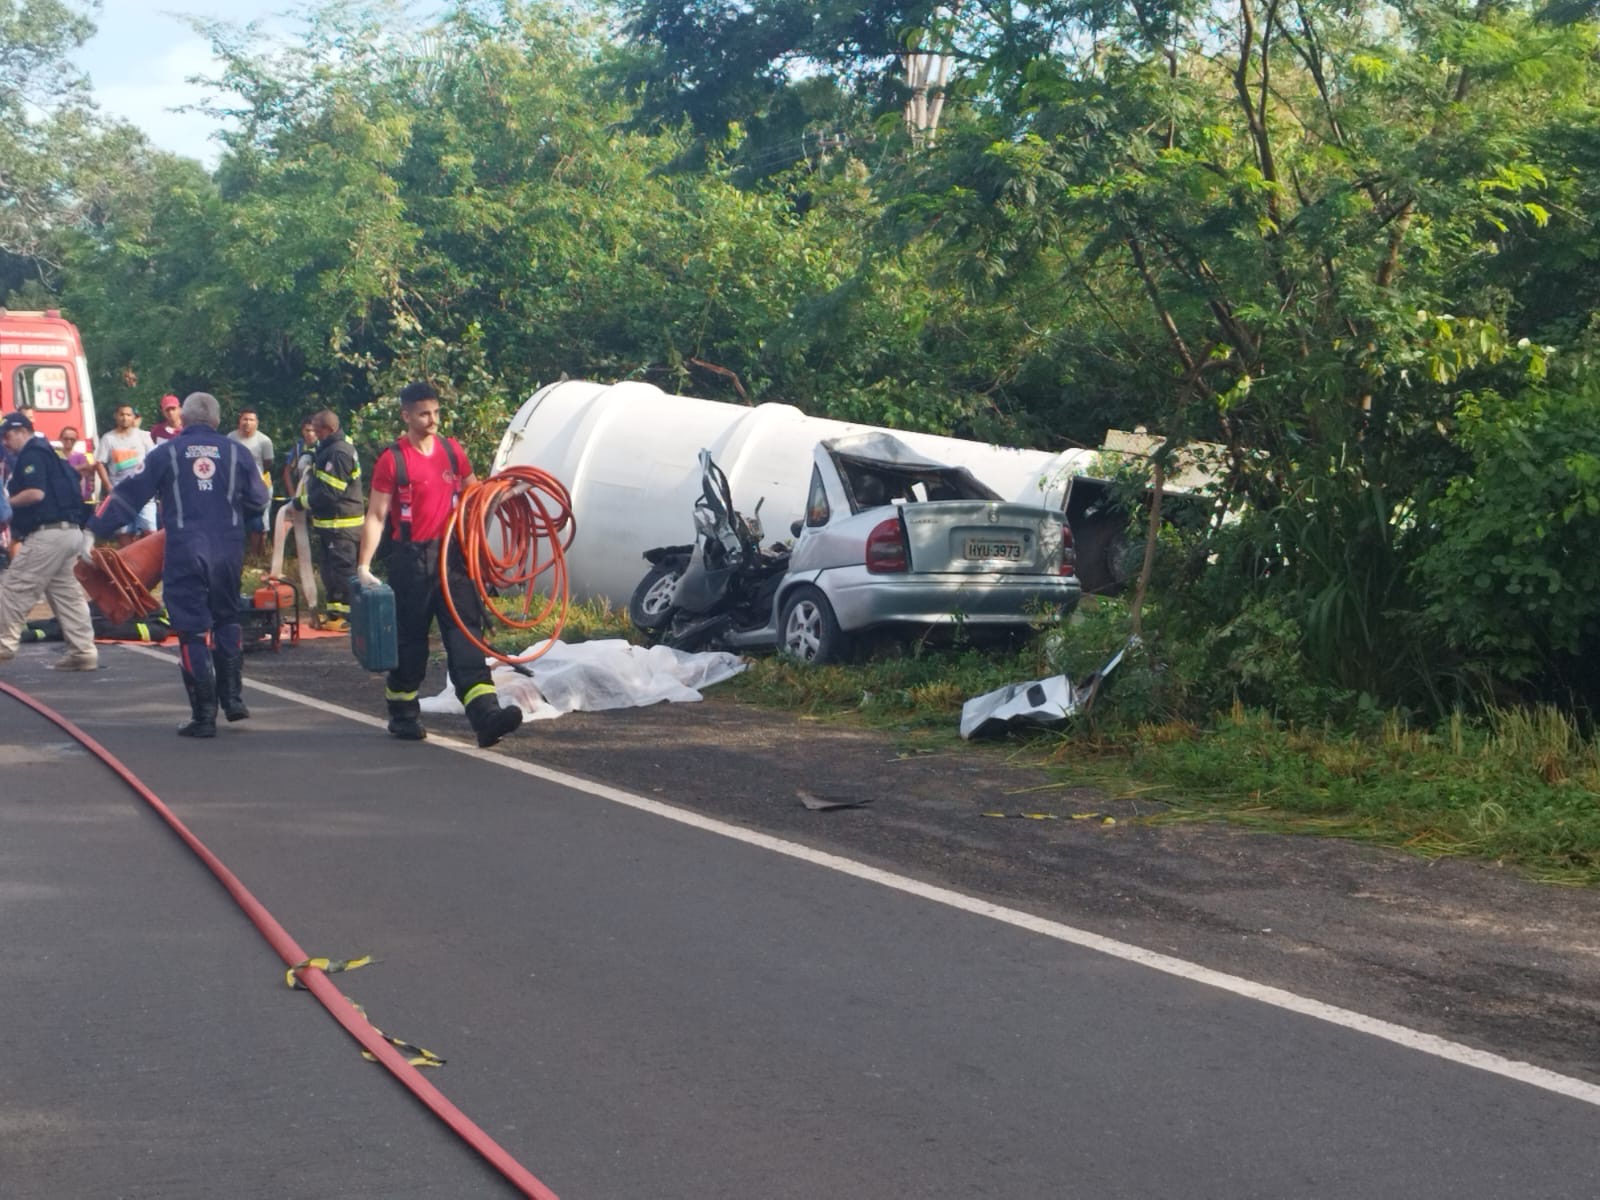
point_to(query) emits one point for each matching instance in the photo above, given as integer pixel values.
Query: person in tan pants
(47, 515)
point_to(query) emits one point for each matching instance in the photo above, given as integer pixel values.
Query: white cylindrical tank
(627, 452)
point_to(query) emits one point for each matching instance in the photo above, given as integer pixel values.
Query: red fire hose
(531, 512)
(315, 980)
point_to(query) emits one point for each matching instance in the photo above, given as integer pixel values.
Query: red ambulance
(43, 373)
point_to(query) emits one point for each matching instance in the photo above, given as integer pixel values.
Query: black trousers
(339, 551)
(418, 604)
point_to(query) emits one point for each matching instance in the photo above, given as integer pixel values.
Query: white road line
(1400, 1035)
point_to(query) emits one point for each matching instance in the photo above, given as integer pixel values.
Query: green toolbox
(372, 626)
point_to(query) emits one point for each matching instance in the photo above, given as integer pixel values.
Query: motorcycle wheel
(808, 630)
(650, 606)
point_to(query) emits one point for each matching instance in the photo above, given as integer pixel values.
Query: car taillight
(886, 548)
(1069, 555)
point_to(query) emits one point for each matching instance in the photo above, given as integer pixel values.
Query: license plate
(1006, 549)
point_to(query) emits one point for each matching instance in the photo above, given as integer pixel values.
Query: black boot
(405, 721)
(230, 686)
(202, 721)
(407, 729)
(491, 720)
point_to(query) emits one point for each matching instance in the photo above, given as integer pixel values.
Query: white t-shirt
(123, 453)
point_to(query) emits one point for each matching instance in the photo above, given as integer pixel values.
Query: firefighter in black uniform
(415, 486)
(208, 485)
(331, 492)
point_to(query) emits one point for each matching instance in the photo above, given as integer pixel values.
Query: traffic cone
(119, 581)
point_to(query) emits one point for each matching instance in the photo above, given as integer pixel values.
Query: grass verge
(1520, 787)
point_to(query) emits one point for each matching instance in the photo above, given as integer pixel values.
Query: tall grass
(1521, 787)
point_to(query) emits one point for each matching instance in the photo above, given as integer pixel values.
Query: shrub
(1512, 577)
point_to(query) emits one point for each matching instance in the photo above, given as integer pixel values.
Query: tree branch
(1397, 237)
(1162, 313)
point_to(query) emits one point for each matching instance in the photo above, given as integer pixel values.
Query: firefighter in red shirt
(415, 485)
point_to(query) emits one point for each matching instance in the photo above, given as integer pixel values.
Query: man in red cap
(169, 427)
(171, 420)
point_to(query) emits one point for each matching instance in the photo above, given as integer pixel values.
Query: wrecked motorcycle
(718, 592)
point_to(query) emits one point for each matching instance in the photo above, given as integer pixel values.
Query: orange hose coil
(531, 511)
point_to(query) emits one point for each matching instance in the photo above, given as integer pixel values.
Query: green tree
(745, 77)
(1294, 197)
(143, 283)
(48, 134)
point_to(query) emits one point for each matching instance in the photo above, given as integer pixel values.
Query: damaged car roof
(882, 452)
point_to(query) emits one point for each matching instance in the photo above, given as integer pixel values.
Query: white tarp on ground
(591, 676)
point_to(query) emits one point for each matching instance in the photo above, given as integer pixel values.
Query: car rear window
(873, 485)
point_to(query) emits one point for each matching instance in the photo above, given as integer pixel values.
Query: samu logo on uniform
(204, 464)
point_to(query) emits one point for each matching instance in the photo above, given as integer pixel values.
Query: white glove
(86, 551)
(366, 578)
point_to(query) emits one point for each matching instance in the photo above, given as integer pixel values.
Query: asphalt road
(632, 1006)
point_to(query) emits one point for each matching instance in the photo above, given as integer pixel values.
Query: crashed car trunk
(953, 522)
(894, 539)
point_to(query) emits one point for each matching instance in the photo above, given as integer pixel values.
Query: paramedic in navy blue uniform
(209, 487)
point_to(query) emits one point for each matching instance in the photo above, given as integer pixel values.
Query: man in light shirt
(249, 436)
(122, 453)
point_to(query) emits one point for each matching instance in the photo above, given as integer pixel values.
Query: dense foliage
(1349, 246)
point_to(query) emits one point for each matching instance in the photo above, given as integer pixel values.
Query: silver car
(891, 538)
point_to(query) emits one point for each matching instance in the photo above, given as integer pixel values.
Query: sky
(143, 53)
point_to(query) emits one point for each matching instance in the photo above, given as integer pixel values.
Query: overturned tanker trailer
(628, 452)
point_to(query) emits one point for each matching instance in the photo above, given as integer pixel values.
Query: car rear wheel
(810, 631)
(650, 606)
